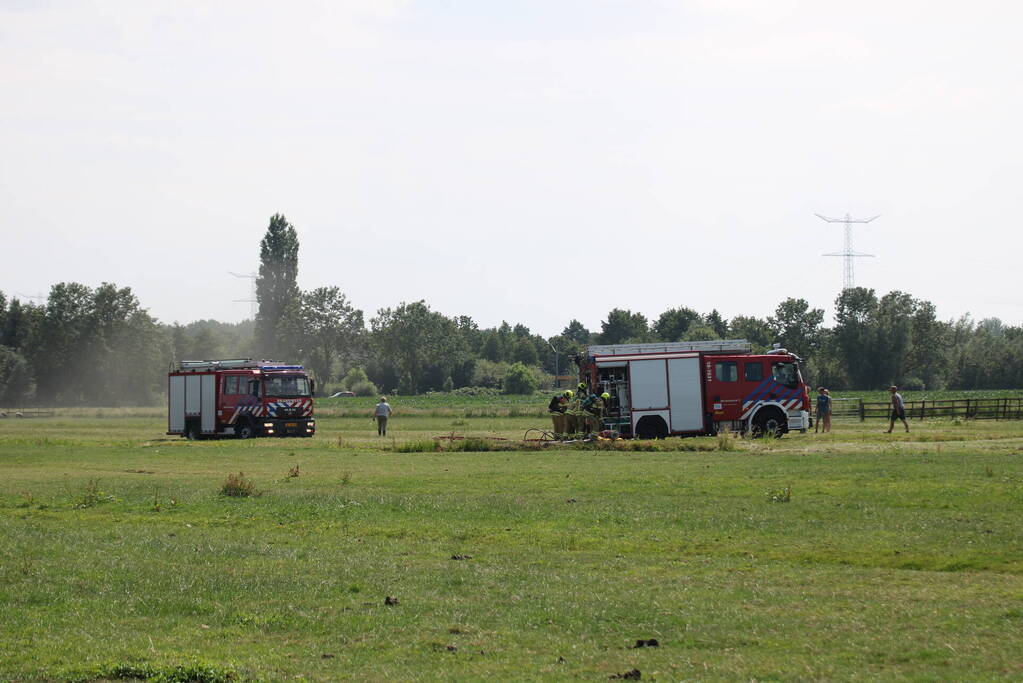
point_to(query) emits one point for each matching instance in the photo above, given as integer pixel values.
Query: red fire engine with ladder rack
(242, 398)
(693, 388)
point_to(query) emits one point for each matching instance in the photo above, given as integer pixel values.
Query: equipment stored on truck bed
(692, 388)
(243, 398)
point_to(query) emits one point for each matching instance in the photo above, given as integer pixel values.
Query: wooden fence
(24, 412)
(1005, 408)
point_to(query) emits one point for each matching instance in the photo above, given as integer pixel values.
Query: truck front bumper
(289, 426)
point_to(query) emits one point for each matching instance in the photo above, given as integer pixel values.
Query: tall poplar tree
(277, 289)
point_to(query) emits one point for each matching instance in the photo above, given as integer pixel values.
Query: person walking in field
(383, 412)
(823, 411)
(898, 409)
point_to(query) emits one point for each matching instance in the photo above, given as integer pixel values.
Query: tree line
(99, 346)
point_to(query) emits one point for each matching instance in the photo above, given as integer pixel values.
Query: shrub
(238, 486)
(449, 384)
(16, 383)
(475, 391)
(913, 384)
(487, 373)
(364, 388)
(520, 380)
(353, 377)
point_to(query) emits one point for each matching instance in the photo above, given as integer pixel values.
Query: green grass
(852, 555)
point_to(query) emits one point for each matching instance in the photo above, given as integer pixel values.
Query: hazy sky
(529, 161)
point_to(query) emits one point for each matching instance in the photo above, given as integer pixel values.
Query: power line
(848, 280)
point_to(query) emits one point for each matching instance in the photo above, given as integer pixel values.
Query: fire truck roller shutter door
(193, 396)
(649, 385)
(685, 394)
(209, 403)
(176, 404)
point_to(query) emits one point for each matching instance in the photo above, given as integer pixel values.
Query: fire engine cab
(242, 398)
(693, 388)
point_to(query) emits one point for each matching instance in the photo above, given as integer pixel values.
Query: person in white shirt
(382, 413)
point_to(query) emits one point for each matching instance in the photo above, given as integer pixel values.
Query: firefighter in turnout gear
(600, 410)
(556, 409)
(573, 415)
(593, 411)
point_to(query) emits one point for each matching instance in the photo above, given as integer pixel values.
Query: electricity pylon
(252, 300)
(848, 280)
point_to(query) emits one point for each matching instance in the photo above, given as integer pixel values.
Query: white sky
(532, 161)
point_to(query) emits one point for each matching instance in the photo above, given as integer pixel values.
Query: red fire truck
(692, 388)
(242, 398)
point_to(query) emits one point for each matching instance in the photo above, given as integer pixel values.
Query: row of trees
(99, 346)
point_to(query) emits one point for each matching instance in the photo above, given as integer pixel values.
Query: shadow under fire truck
(242, 398)
(695, 388)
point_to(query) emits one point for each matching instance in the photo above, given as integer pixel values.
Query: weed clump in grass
(725, 441)
(779, 495)
(236, 485)
(90, 495)
(193, 672)
(420, 446)
(473, 444)
(453, 444)
(673, 445)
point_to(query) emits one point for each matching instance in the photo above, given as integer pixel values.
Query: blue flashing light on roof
(280, 367)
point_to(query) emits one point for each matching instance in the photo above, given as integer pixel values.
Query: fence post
(862, 416)
(923, 409)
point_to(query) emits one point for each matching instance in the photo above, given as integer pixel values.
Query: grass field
(856, 555)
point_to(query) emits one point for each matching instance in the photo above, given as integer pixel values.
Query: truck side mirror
(312, 387)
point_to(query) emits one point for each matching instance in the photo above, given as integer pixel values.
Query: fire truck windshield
(286, 386)
(786, 374)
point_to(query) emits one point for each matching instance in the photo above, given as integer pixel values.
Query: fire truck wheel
(769, 422)
(245, 430)
(192, 431)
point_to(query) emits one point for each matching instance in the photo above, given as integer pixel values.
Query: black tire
(192, 431)
(770, 422)
(244, 429)
(651, 427)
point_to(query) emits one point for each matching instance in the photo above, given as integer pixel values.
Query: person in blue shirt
(382, 412)
(898, 410)
(823, 411)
